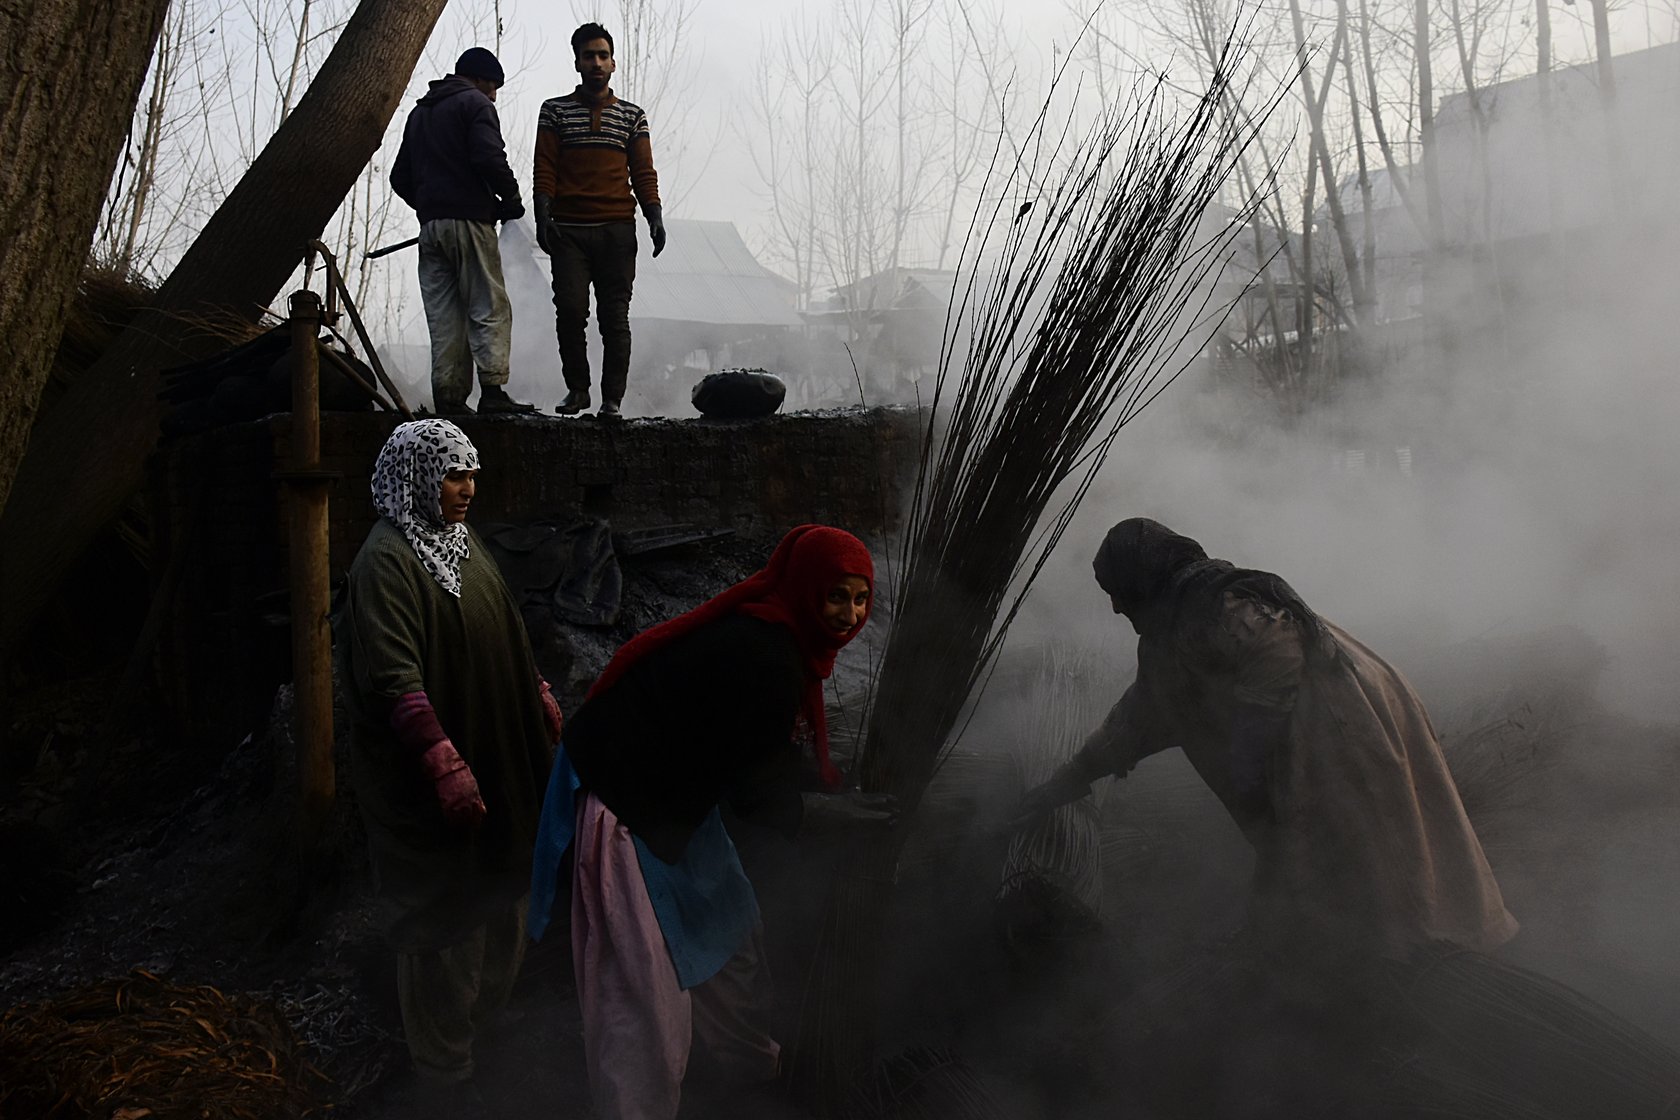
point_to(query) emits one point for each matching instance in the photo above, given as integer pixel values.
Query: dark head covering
(1146, 568)
(1137, 562)
(476, 62)
(790, 591)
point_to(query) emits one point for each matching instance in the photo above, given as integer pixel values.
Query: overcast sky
(725, 47)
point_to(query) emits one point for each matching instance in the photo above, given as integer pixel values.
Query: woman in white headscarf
(451, 740)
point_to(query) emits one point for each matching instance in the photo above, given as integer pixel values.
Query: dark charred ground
(183, 866)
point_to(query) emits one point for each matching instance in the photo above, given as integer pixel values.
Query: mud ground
(184, 867)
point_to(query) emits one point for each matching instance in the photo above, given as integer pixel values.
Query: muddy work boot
(576, 401)
(493, 400)
(452, 408)
(609, 410)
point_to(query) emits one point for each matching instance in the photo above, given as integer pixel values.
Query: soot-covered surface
(184, 871)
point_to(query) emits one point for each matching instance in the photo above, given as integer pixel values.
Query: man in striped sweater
(593, 153)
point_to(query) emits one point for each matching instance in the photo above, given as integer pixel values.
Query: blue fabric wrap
(704, 902)
(554, 836)
(706, 906)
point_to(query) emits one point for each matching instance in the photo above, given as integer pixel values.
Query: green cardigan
(398, 631)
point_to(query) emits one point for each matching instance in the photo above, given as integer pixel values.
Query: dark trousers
(447, 995)
(604, 255)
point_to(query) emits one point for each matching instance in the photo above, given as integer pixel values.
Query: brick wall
(225, 647)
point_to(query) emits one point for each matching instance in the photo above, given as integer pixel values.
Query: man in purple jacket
(453, 169)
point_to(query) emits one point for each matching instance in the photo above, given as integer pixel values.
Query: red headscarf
(790, 591)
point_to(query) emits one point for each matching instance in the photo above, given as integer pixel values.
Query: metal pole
(306, 514)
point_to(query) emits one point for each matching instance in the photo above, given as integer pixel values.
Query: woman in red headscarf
(716, 704)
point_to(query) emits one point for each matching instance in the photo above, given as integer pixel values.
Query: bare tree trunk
(1321, 152)
(1607, 99)
(1306, 305)
(1601, 41)
(1367, 222)
(1467, 52)
(73, 74)
(89, 453)
(151, 139)
(1426, 124)
(1396, 175)
(1548, 111)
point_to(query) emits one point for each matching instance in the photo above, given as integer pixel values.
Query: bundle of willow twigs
(925, 1084)
(143, 1047)
(1101, 260)
(1544, 1046)
(1098, 281)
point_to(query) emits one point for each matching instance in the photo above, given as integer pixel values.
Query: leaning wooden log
(88, 454)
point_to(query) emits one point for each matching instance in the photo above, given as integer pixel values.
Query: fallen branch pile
(1520, 1044)
(145, 1048)
(926, 1084)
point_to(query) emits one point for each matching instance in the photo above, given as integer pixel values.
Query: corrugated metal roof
(708, 275)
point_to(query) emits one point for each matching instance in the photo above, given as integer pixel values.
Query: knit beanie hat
(476, 62)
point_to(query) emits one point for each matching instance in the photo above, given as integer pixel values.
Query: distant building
(1510, 195)
(1601, 161)
(891, 323)
(1536, 212)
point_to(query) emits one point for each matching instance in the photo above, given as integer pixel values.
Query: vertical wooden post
(306, 513)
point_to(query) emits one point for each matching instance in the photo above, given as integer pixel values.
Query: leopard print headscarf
(407, 481)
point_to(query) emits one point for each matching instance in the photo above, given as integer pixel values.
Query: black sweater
(452, 163)
(708, 716)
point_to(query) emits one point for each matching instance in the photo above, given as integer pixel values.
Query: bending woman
(716, 703)
(1318, 748)
(450, 735)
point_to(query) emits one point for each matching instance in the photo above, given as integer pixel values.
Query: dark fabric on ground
(739, 394)
(568, 569)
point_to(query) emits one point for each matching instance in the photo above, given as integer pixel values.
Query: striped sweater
(591, 153)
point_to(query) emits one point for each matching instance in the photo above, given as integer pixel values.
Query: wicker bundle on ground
(1531, 1045)
(1051, 889)
(925, 1083)
(146, 1048)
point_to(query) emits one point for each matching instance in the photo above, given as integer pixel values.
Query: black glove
(852, 807)
(1063, 788)
(542, 203)
(656, 227)
(509, 209)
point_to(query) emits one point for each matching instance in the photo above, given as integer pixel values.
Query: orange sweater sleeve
(644, 180)
(545, 171)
